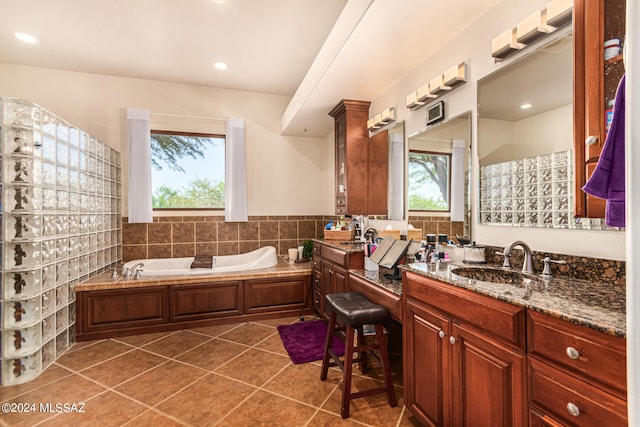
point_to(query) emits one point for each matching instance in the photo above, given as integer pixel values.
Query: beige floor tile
(408, 420)
(90, 355)
(273, 344)
(216, 330)
(177, 343)
(161, 382)
(212, 354)
(70, 389)
(151, 418)
(324, 419)
(266, 409)
(122, 368)
(222, 395)
(248, 333)
(49, 375)
(254, 367)
(371, 410)
(302, 382)
(278, 321)
(143, 339)
(108, 409)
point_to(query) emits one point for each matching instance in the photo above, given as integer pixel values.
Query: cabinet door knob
(452, 340)
(441, 334)
(573, 353)
(591, 139)
(573, 409)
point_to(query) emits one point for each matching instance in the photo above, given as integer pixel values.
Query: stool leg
(363, 354)
(346, 374)
(386, 369)
(331, 330)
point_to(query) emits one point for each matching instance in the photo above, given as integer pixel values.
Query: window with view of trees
(429, 178)
(188, 170)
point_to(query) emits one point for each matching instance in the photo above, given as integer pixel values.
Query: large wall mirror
(439, 170)
(525, 140)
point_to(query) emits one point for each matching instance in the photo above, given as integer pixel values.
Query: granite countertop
(377, 278)
(349, 247)
(104, 281)
(587, 303)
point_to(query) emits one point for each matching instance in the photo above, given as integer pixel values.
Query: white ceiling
(316, 51)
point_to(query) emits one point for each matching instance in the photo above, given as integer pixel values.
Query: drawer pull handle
(591, 139)
(573, 409)
(572, 353)
(452, 340)
(441, 334)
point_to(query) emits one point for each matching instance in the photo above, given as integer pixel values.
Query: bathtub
(260, 258)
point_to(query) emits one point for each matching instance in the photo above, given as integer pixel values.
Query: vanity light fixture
(412, 100)
(559, 12)
(425, 95)
(533, 27)
(382, 119)
(26, 38)
(505, 44)
(455, 75)
(437, 86)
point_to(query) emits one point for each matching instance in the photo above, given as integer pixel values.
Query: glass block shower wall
(532, 192)
(61, 224)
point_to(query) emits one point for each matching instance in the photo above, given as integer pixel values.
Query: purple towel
(608, 179)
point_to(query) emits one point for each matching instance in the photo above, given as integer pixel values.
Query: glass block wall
(532, 192)
(61, 224)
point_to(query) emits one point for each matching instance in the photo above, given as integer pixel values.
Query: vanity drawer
(585, 352)
(500, 319)
(335, 255)
(558, 393)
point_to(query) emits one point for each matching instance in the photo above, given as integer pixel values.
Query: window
(429, 181)
(188, 170)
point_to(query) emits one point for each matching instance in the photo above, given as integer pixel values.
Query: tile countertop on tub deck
(587, 303)
(104, 281)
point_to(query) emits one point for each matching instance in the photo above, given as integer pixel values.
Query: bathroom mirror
(525, 140)
(450, 141)
(396, 187)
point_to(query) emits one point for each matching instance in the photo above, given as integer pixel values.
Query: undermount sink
(493, 275)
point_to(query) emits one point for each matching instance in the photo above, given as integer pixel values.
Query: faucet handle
(546, 271)
(507, 261)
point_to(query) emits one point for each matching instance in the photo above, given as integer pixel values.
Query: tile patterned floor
(228, 375)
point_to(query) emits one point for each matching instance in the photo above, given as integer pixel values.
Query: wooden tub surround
(109, 307)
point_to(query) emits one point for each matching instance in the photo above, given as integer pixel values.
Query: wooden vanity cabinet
(595, 84)
(331, 272)
(464, 356)
(577, 375)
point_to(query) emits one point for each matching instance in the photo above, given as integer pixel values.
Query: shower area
(61, 224)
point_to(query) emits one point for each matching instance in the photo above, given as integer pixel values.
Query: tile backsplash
(184, 236)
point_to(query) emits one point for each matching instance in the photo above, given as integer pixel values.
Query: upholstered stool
(350, 311)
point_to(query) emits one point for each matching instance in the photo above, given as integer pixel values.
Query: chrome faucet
(133, 270)
(527, 265)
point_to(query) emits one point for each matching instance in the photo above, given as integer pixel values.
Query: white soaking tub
(260, 258)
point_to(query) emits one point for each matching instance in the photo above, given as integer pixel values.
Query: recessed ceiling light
(27, 38)
(221, 65)
(525, 106)
(219, 1)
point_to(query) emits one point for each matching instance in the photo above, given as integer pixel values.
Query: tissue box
(393, 233)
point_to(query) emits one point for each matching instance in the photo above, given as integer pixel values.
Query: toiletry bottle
(329, 225)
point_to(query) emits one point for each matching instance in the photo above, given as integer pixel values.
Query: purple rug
(304, 341)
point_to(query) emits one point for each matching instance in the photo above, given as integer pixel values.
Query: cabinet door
(340, 282)
(318, 302)
(426, 374)
(488, 380)
(326, 284)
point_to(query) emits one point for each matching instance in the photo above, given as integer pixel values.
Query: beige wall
(284, 174)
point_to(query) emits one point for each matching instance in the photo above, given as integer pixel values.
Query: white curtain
(139, 165)
(458, 154)
(236, 173)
